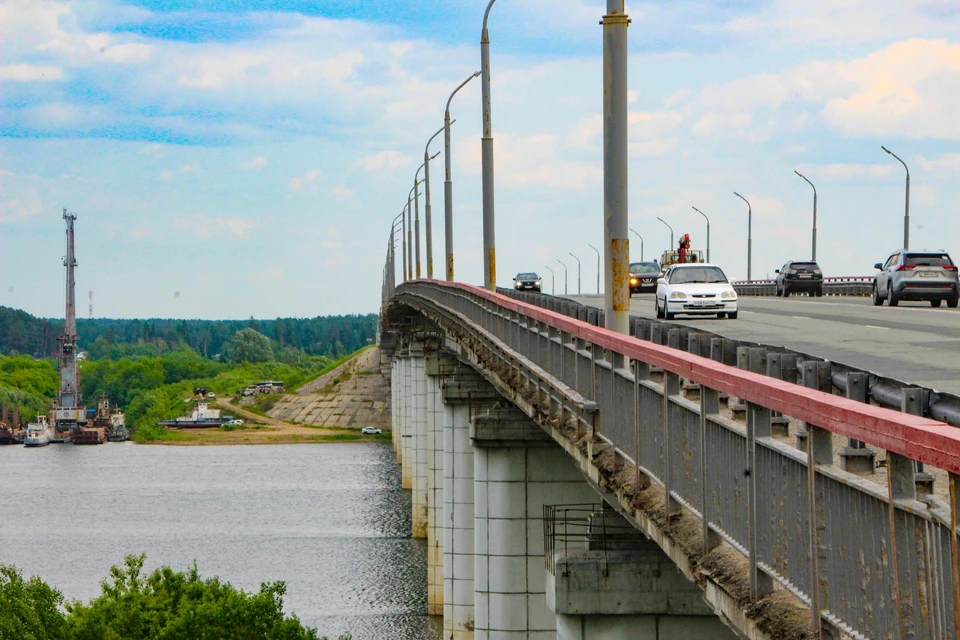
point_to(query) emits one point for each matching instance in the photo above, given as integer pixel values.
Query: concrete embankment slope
(354, 394)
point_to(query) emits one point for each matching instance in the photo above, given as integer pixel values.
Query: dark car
(916, 275)
(527, 282)
(800, 277)
(643, 276)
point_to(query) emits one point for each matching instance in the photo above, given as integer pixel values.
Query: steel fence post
(709, 406)
(758, 426)
(671, 387)
(955, 545)
(901, 486)
(809, 378)
(856, 457)
(913, 402)
(819, 443)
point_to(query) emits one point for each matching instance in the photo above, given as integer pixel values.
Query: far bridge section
(708, 508)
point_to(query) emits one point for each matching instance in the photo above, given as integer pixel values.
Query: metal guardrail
(882, 390)
(851, 286)
(869, 563)
(583, 526)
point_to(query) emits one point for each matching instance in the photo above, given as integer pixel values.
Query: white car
(233, 423)
(371, 431)
(695, 289)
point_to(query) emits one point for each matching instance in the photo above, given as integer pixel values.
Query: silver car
(916, 275)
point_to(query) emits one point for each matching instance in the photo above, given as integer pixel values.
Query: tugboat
(202, 415)
(118, 428)
(39, 433)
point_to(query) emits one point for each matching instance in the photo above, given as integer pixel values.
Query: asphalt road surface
(913, 342)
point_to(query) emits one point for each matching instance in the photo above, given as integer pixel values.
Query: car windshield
(644, 267)
(689, 275)
(927, 260)
(527, 276)
(805, 265)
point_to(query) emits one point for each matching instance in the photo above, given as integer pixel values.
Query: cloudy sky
(232, 158)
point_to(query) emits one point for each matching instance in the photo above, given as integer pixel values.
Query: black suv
(527, 282)
(643, 276)
(917, 275)
(797, 277)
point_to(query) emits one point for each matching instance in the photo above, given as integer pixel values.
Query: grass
(335, 364)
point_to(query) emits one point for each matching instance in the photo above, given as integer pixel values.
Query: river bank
(333, 407)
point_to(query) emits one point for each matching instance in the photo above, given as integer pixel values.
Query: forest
(331, 336)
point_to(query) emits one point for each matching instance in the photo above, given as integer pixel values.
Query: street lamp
(578, 271)
(411, 230)
(393, 257)
(708, 231)
(564, 276)
(486, 151)
(405, 234)
(906, 211)
(641, 243)
(416, 208)
(598, 266)
(749, 236)
(671, 231)
(448, 182)
(615, 168)
(553, 281)
(426, 201)
(814, 258)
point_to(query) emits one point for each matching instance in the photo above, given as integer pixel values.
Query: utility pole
(486, 150)
(615, 168)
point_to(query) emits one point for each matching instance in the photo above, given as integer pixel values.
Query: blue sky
(235, 159)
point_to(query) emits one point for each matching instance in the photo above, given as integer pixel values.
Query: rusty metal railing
(869, 560)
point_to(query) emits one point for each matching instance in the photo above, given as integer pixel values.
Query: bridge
(574, 482)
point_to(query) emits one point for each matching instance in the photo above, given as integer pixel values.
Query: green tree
(29, 609)
(176, 605)
(249, 345)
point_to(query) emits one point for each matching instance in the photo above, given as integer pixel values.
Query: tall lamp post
(641, 243)
(671, 231)
(749, 237)
(448, 182)
(426, 200)
(414, 198)
(814, 250)
(486, 151)
(598, 266)
(408, 247)
(615, 168)
(906, 210)
(393, 266)
(564, 276)
(553, 280)
(578, 271)
(708, 230)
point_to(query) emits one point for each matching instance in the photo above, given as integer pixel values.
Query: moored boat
(118, 428)
(39, 433)
(202, 416)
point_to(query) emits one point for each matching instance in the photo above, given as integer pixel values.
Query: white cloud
(256, 163)
(202, 225)
(30, 73)
(341, 192)
(309, 177)
(166, 176)
(384, 161)
(533, 161)
(948, 162)
(140, 232)
(847, 171)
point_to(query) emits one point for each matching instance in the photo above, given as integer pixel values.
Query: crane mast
(69, 414)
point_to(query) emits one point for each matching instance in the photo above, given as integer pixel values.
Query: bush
(29, 609)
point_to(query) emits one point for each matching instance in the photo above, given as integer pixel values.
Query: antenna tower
(91, 304)
(69, 413)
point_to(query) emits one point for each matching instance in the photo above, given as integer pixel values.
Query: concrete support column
(406, 425)
(434, 496)
(617, 584)
(518, 469)
(464, 394)
(419, 442)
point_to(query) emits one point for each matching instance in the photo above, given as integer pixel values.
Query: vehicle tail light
(950, 267)
(905, 267)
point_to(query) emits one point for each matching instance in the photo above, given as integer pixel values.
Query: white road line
(873, 326)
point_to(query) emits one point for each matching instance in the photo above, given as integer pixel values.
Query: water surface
(329, 519)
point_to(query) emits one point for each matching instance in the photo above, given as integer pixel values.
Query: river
(330, 520)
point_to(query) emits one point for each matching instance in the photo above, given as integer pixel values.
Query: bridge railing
(842, 286)
(870, 561)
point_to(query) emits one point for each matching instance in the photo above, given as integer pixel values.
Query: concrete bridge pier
(619, 585)
(465, 393)
(434, 364)
(406, 421)
(418, 444)
(518, 470)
